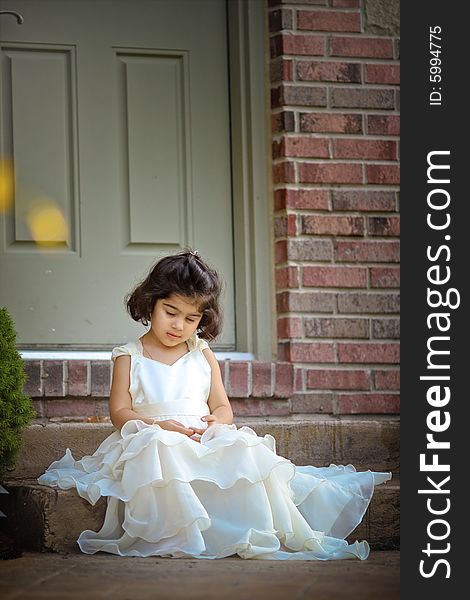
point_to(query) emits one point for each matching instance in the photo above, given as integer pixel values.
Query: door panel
(115, 116)
(40, 134)
(154, 88)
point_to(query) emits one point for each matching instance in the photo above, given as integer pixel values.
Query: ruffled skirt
(229, 494)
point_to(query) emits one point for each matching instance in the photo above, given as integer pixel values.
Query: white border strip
(106, 355)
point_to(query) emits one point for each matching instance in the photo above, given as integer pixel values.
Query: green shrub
(16, 410)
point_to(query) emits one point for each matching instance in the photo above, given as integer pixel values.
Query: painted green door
(115, 118)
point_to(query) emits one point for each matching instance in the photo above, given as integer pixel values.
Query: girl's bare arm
(218, 402)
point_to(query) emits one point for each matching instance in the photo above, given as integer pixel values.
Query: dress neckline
(141, 354)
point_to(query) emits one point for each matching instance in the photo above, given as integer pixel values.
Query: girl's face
(175, 319)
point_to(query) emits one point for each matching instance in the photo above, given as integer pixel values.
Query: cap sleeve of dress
(202, 344)
(196, 342)
(124, 350)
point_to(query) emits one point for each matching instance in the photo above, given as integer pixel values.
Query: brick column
(335, 127)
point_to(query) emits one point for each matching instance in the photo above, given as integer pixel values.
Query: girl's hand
(197, 434)
(172, 425)
(192, 432)
(210, 419)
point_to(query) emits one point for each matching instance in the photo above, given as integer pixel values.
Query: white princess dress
(168, 495)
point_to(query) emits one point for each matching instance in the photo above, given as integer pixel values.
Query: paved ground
(85, 577)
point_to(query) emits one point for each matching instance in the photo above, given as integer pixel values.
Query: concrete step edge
(239, 420)
(50, 519)
(365, 444)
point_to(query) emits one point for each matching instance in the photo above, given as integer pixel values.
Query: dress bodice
(178, 391)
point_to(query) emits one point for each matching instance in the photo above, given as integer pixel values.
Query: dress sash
(173, 408)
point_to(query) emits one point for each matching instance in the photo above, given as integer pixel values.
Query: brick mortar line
(312, 339)
(250, 378)
(306, 7)
(354, 290)
(340, 264)
(368, 279)
(330, 135)
(316, 212)
(355, 160)
(334, 404)
(344, 291)
(341, 237)
(367, 392)
(296, 120)
(377, 316)
(346, 264)
(41, 378)
(316, 8)
(395, 267)
(65, 378)
(357, 341)
(357, 186)
(327, 161)
(328, 33)
(307, 109)
(328, 45)
(359, 60)
(330, 199)
(328, 314)
(343, 187)
(319, 135)
(316, 340)
(294, 71)
(330, 146)
(337, 215)
(338, 364)
(273, 379)
(360, 35)
(353, 187)
(351, 367)
(375, 291)
(362, 15)
(342, 85)
(88, 379)
(278, 136)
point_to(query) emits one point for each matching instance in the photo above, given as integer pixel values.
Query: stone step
(367, 443)
(42, 518)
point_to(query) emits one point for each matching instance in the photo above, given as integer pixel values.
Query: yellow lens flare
(7, 178)
(47, 223)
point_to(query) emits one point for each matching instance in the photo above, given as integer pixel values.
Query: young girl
(180, 478)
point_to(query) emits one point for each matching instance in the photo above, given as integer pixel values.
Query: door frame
(251, 180)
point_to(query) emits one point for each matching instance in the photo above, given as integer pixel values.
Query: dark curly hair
(185, 274)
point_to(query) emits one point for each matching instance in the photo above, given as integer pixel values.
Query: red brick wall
(335, 127)
(79, 389)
